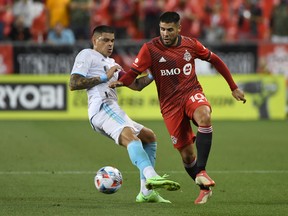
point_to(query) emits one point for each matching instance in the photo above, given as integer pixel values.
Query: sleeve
(82, 63)
(121, 74)
(141, 63)
(222, 68)
(201, 51)
(205, 54)
(128, 78)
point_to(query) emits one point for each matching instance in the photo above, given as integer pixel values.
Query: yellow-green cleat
(153, 197)
(162, 182)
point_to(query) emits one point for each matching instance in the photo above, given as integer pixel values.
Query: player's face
(169, 33)
(104, 43)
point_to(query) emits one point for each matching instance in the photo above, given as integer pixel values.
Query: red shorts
(179, 126)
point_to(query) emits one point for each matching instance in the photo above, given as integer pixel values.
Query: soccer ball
(108, 180)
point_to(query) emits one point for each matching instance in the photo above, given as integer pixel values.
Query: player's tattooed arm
(141, 83)
(78, 82)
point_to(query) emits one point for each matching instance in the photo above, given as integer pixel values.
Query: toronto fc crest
(174, 140)
(187, 56)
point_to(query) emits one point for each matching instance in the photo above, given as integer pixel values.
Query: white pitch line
(129, 172)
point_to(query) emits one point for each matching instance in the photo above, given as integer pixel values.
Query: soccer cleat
(202, 178)
(153, 197)
(203, 197)
(162, 182)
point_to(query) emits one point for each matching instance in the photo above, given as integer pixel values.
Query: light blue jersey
(104, 113)
(90, 63)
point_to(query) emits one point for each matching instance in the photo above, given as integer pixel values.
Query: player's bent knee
(202, 116)
(205, 120)
(147, 135)
(127, 135)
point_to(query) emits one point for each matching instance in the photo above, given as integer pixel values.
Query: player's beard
(172, 42)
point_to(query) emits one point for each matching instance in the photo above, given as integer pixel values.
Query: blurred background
(48, 160)
(39, 40)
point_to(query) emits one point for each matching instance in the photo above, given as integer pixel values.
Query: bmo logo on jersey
(31, 96)
(175, 71)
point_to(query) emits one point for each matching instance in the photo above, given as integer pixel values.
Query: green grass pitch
(48, 167)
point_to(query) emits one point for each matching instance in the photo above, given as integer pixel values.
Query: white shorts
(111, 120)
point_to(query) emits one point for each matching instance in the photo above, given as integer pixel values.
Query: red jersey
(173, 69)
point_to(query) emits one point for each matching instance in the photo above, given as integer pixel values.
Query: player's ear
(93, 40)
(179, 29)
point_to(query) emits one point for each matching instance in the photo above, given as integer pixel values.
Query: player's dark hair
(169, 17)
(103, 29)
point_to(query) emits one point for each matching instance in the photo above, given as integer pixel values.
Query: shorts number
(198, 97)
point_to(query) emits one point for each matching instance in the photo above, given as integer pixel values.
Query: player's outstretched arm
(137, 85)
(127, 79)
(79, 82)
(141, 83)
(222, 68)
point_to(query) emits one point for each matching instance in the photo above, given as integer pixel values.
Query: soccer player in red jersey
(170, 59)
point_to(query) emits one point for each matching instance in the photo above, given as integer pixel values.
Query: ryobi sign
(32, 96)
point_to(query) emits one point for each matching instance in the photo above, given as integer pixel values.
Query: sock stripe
(208, 129)
(191, 164)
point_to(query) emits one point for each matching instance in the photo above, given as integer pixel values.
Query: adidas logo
(162, 59)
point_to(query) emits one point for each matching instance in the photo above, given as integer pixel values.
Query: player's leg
(183, 137)
(140, 159)
(198, 109)
(113, 122)
(148, 139)
(204, 134)
(149, 142)
(203, 146)
(192, 169)
(189, 160)
(136, 152)
(203, 142)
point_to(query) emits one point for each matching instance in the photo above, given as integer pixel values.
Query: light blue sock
(150, 149)
(138, 156)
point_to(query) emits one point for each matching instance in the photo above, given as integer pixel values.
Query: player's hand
(238, 94)
(112, 70)
(115, 84)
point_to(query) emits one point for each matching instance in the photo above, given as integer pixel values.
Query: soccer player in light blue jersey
(93, 70)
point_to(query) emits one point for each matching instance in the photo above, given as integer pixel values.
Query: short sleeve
(82, 63)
